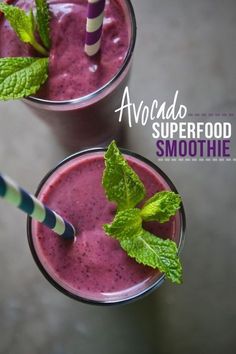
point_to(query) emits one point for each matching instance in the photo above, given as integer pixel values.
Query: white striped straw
(94, 26)
(17, 196)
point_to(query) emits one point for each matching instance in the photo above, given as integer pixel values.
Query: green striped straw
(26, 202)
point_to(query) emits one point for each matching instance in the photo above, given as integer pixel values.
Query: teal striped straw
(26, 202)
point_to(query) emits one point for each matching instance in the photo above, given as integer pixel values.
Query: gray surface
(185, 45)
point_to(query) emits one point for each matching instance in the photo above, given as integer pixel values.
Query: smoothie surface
(94, 266)
(72, 74)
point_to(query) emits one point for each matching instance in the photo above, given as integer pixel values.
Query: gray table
(185, 45)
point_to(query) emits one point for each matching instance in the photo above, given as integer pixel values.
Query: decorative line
(200, 159)
(211, 114)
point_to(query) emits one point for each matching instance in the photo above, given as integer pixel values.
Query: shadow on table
(137, 328)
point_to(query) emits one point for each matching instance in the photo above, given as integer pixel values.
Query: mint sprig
(20, 77)
(127, 228)
(23, 24)
(43, 17)
(121, 183)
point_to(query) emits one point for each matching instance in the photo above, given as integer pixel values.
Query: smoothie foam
(94, 267)
(72, 74)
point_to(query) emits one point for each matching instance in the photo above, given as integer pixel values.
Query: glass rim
(156, 284)
(101, 90)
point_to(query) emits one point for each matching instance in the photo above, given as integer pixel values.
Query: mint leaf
(121, 183)
(20, 21)
(161, 207)
(143, 246)
(32, 19)
(126, 223)
(42, 16)
(155, 252)
(20, 77)
(23, 25)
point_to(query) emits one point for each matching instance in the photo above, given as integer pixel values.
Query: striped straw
(94, 26)
(15, 195)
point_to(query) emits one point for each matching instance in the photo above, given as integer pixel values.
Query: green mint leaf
(143, 246)
(32, 19)
(20, 22)
(121, 183)
(21, 77)
(161, 207)
(126, 224)
(155, 252)
(23, 25)
(43, 17)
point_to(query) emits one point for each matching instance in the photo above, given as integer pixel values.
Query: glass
(90, 120)
(115, 298)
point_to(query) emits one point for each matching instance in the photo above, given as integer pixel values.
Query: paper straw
(94, 26)
(26, 202)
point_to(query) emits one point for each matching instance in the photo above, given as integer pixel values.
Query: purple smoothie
(72, 74)
(95, 85)
(94, 267)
